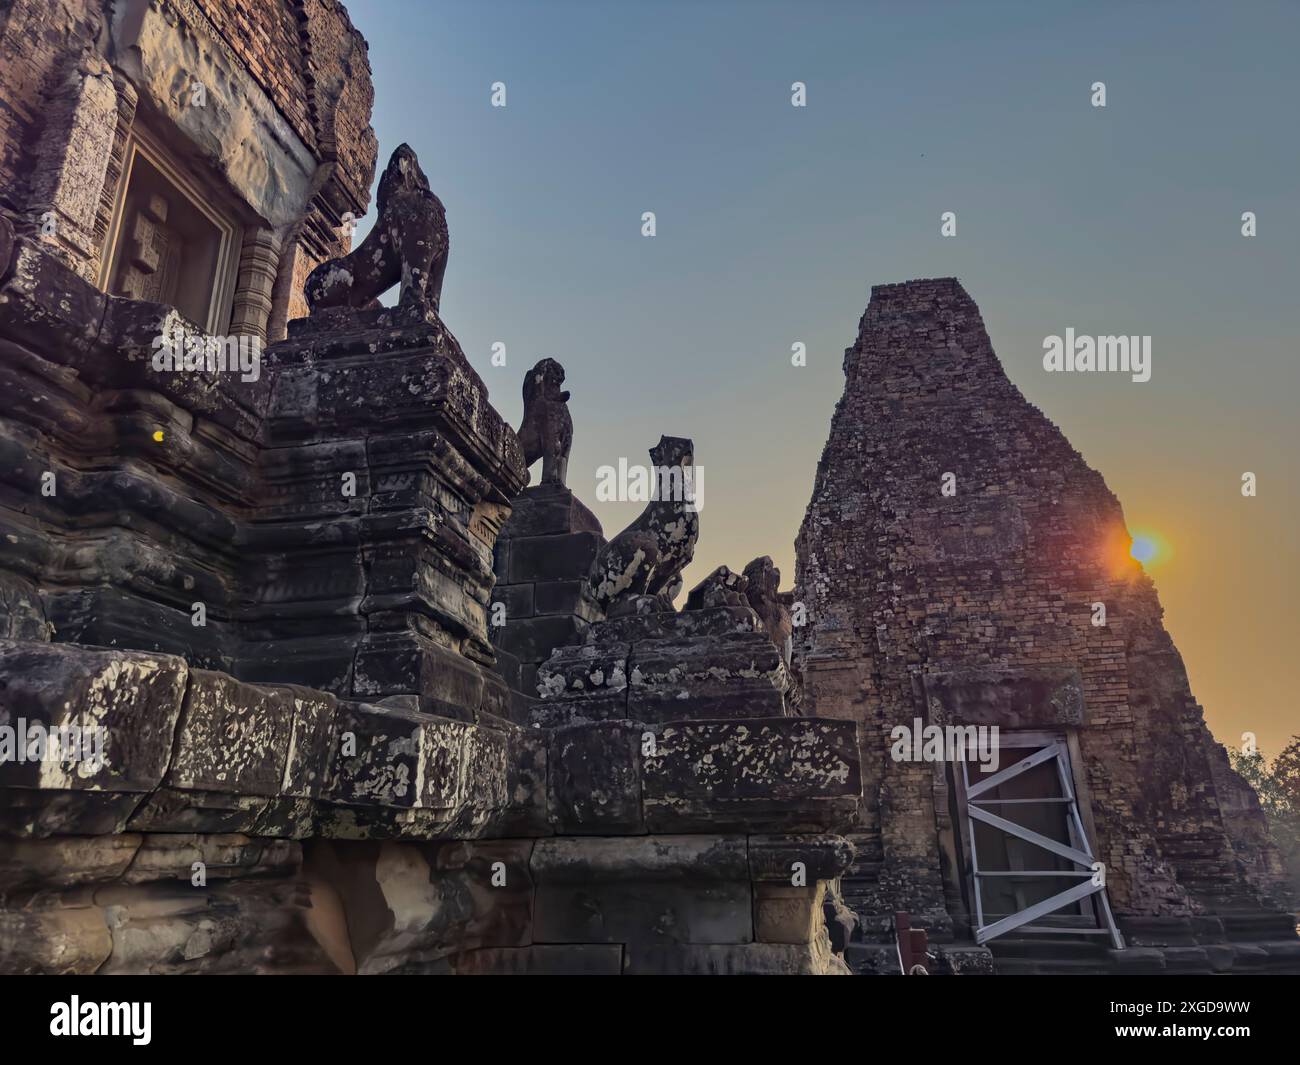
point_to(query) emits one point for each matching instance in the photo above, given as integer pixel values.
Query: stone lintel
(1024, 698)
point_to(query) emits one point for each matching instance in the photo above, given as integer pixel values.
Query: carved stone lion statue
(762, 589)
(647, 558)
(546, 432)
(408, 244)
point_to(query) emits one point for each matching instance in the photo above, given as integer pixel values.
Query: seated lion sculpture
(647, 558)
(408, 244)
(762, 589)
(546, 432)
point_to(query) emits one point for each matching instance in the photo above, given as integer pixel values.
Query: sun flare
(1149, 548)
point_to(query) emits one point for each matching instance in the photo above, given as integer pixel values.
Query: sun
(1143, 549)
(1149, 548)
(1126, 553)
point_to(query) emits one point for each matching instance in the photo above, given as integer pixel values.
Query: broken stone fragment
(722, 587)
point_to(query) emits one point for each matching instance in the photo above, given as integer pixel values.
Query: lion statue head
(402, 172)
(543, 382)
(673, 451)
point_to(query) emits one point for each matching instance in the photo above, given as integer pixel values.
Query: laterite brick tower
(977, 606)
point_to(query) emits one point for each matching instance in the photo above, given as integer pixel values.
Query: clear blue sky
(774, 222)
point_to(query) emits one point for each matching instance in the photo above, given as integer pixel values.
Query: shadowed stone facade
(369, 704)
(269, 598)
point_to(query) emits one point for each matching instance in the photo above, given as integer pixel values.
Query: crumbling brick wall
(266, 38)
(38, 40)
(75, 81)
(901, 580)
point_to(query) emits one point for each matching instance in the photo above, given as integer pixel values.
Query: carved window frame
(140, 143)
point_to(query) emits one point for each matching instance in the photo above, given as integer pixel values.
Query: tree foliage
(1278, 787)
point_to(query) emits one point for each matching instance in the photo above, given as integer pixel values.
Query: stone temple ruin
(365, 702)
(951, 561)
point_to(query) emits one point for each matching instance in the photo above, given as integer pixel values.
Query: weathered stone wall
(306, 55)
(902, 582)
(191, 750)
(708, 663)
(230, 827)
(127, 903)
(318, 771)
(37, 39)
(265, 599)
(334, 519)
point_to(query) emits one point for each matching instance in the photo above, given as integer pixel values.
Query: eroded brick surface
(984, 598)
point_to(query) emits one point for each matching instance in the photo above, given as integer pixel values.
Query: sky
(773, 222)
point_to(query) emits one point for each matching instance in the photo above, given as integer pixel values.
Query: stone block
(69, 861)
(400, 663)
(533, 639)
(785, 914)
(773, 774)
(751, 959)
(1021, 698)
(198, 810)
(518, 602)
(545, 510)
(568, 959)
(823, 857)
(123, 703)
(108, 617)
(594, 785)
(54, 941)
(680, 627)
(501, 560)
(322, 661)
(230, 926)
(171, 857)
(27, 812)
(579, 671)
(562, 713)
(22, 617)
(376, 758)
(682, 889)
(565, 597)
(234, 737)
(552, 558)
(508, 666)
(45, 304)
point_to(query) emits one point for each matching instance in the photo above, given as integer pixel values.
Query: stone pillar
(127, 100)
(543, 557)
(72, 161)
(259, 261)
